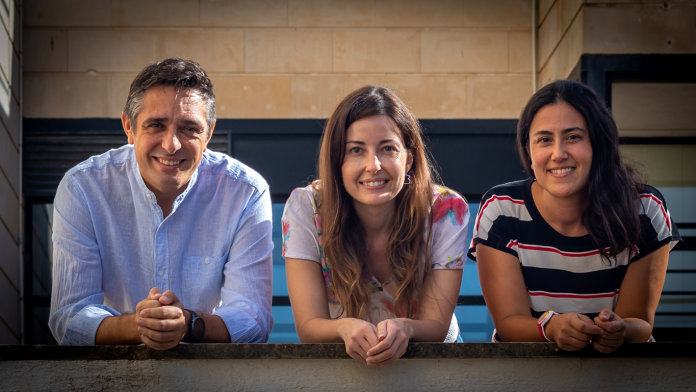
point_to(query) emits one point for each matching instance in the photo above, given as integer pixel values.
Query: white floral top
(302, 239)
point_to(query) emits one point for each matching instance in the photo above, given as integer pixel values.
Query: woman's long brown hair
(342, 232)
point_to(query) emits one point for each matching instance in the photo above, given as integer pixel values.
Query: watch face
(198, 329)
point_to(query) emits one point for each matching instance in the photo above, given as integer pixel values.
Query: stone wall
(10, 145)
(283, 58)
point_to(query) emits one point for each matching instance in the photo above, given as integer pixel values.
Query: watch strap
(543, 320)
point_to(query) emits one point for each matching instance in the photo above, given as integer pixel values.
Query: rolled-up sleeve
(77, 300)
(248, 288)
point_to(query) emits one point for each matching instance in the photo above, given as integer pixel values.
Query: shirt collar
(148, 194)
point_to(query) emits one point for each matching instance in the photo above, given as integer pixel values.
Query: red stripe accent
(662, 208)
(554, 250)
(553, 295)
(495, 197)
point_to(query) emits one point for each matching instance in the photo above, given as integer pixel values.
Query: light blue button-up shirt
(112, 245)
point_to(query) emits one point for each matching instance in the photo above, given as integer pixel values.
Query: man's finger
(157, 345)
(168, 298)
(155, 293)
(163, 312)
(162, 325)
(148, 303)
(159, 336)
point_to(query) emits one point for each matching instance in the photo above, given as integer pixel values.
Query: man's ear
(127, 127)
(210, 135)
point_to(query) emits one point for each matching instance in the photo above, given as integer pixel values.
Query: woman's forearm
(637, 330)
(320, 330)
(520, 328)
(426, 330)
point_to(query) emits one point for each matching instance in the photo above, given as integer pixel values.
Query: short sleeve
(301, 226)
(657, 226)
(450, 225)
(494, 222)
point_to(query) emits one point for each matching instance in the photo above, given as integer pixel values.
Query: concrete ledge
(335, 351)
(321, 367)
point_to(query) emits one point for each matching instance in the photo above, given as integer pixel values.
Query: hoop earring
(408, 179)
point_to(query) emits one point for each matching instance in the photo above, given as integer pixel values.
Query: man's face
(169, 138)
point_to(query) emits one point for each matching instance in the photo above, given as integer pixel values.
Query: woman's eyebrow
(571, 129)
(354, 142)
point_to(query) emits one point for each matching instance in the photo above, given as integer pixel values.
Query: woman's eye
(543, 140)
(389, 149)
(355, 150)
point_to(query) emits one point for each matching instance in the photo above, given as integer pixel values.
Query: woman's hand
(614, 328)
(572, 331)
(394, 335)
(359, 337)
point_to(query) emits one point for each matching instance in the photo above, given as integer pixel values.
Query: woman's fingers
(386, 335)
(389, 356)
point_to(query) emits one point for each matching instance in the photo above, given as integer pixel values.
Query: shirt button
(149, 196)
(160, 273)
(207, 260)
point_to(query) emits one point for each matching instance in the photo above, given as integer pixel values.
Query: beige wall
(283, 58)
(570, 28)
(10, 204)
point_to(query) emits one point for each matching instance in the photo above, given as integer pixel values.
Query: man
(161, 241)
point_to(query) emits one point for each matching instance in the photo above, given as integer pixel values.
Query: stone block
(9, 112)
(9, 262)
(615, 30)
(689, 176)
(9, 310)
(246, 96)
(331, 13)
(45, 50)
(154, 13)
(543, 9)
(9, 158)
(73, 13)
(499, 13)
(663, 165)
(119, 86)
(465, 51)
(548, 36)
(499, 96)
(9, 208)
(316, 96)
(289, 50)
(566, 55)
(216, 50)
(243, 13)
(66, 95)
(666, 109)
(111, 50)
(520, 57)
(371, 51)
(567, 12)
(418, 13)
(431, 96)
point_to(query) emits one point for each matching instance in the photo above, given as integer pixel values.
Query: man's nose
(170, 141)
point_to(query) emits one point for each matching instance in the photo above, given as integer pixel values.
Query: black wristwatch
(196, 329)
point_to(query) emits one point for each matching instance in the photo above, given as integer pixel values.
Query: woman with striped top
(576, 254)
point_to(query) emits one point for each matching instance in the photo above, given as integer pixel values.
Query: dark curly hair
(180, 73)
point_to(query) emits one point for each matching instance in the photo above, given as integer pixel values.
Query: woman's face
(560, 149)
(376, 161)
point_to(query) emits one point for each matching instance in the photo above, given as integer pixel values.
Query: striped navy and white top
(564, 274)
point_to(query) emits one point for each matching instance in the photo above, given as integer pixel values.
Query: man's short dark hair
(176, 72)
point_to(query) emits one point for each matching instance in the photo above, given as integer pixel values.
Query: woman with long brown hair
(373, 249)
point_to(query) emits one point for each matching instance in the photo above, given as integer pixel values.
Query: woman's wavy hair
(343, 234)
(614, 185)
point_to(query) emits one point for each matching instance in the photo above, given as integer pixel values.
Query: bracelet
(542, 322)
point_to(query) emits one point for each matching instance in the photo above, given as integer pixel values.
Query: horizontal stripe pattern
(564, 274)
